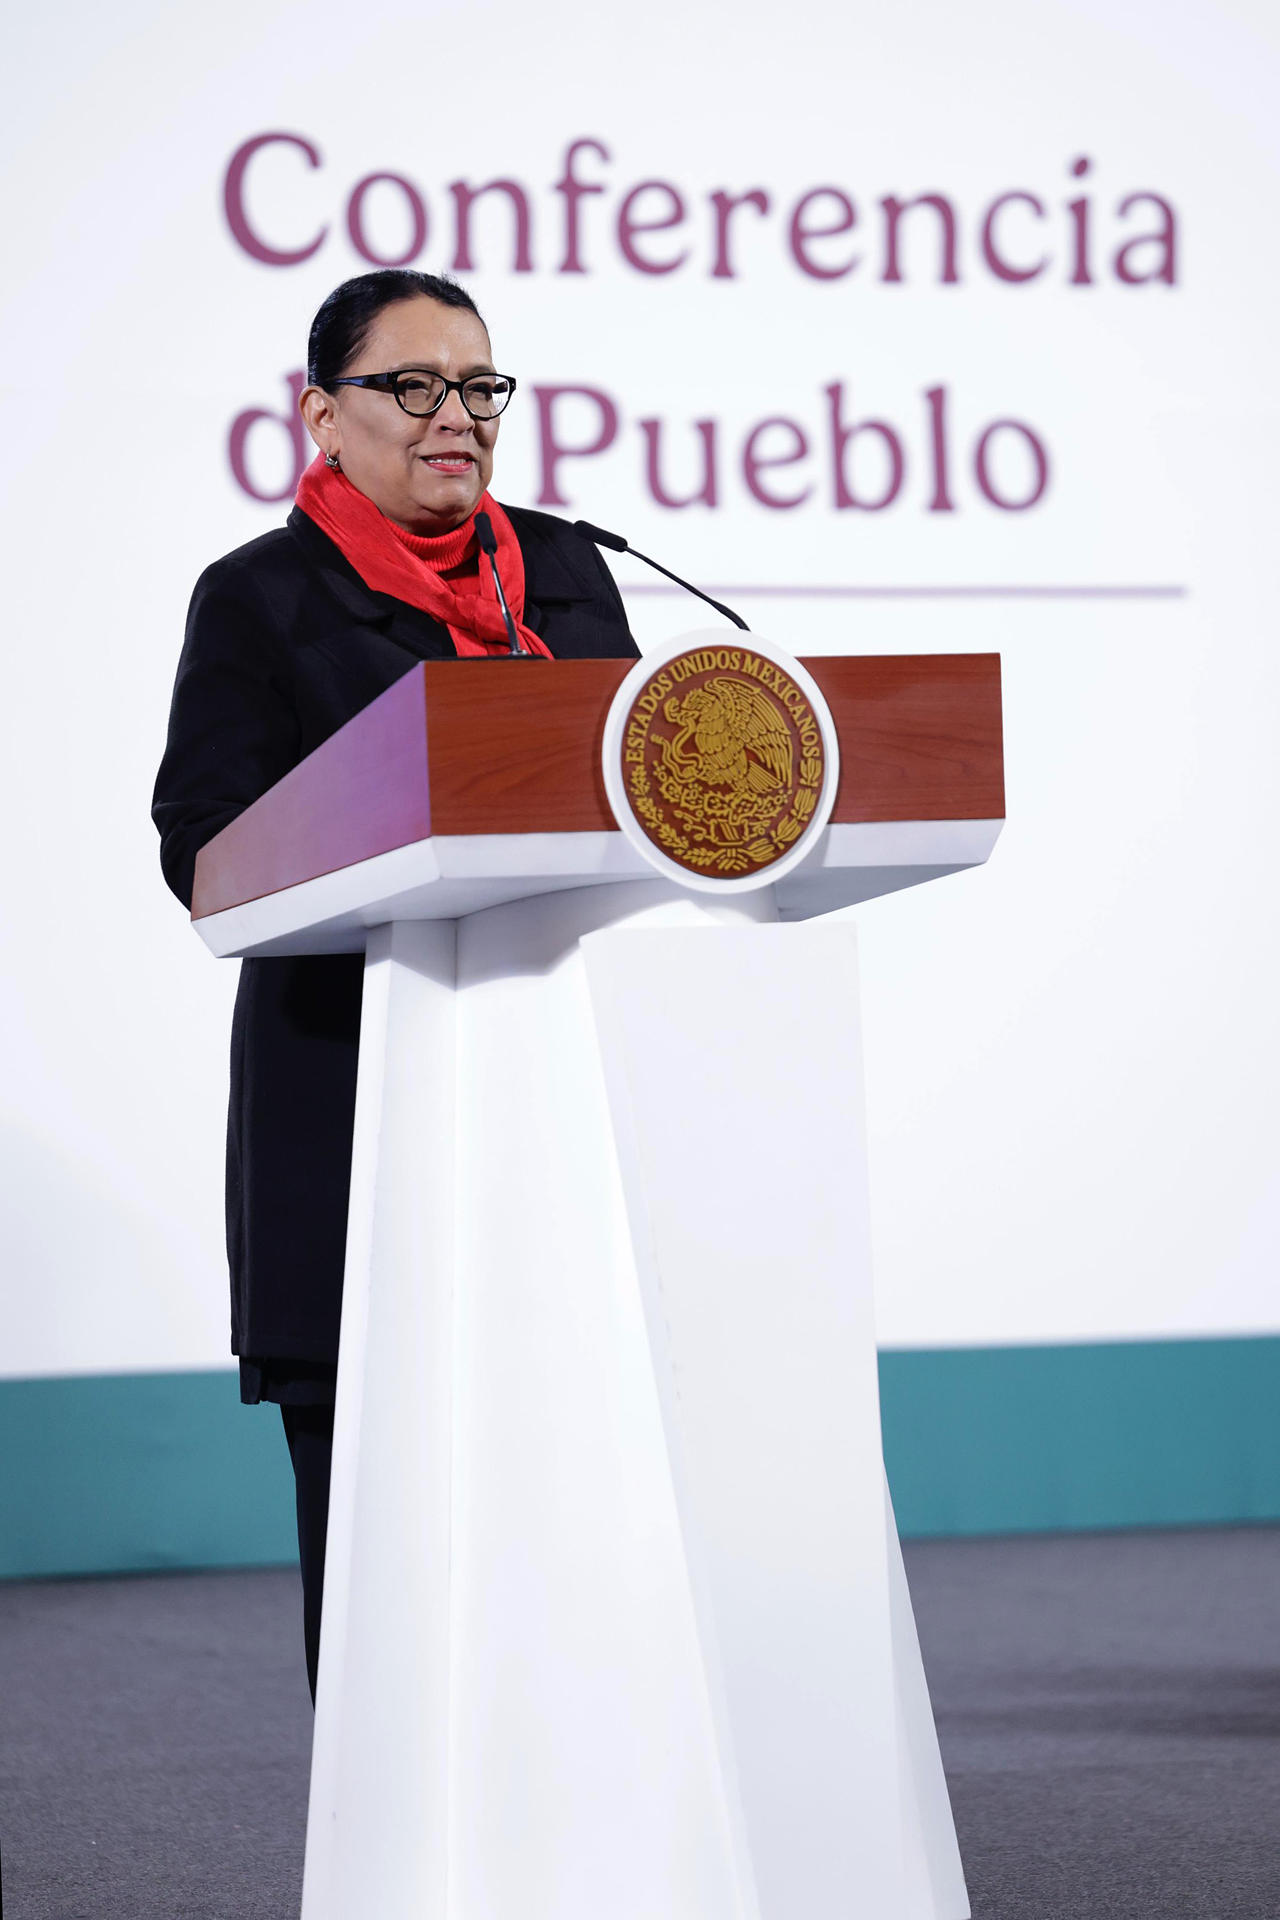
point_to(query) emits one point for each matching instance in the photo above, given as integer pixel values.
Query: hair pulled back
(342, 325)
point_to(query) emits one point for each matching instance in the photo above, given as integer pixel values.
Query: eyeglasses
(421, 392)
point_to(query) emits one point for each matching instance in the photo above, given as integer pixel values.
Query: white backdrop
(1071, 1052)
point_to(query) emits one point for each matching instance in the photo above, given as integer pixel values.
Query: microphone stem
(489, 547)
(616, 544)
(719, 606)
(510, 624)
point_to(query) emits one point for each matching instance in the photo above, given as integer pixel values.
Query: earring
(331, 459)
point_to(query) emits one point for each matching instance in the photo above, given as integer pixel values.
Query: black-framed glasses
(420, 392)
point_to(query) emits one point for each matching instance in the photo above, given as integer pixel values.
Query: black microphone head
(614, 541)
(485, 534)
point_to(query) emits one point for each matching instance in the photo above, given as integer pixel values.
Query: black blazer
(284, 644)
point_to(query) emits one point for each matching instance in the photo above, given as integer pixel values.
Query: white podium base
(615, 1620)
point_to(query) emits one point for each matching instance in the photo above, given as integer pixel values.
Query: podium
(615, 1621)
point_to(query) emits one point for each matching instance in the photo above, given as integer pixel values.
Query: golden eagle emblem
(723, 760)
(739, 737)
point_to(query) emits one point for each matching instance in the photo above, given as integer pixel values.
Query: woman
(287, 638)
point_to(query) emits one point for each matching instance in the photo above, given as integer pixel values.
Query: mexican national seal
(723, 759)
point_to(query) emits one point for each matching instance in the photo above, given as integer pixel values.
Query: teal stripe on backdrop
(133, 1472)
(122, 1473)
(1162, 1433)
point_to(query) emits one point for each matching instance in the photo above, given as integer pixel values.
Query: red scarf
(441, 573)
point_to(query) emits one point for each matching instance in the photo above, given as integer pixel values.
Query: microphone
(489, 545)
(616, 544)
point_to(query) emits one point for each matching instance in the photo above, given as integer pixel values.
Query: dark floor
(1109, 1708)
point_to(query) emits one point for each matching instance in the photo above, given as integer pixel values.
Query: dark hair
(342, 325)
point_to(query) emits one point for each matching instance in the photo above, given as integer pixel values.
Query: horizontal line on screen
(991, 592)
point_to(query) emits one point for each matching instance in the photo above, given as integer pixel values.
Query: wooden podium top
(512, 747)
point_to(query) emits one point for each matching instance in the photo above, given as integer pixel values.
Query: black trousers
(309, 1431)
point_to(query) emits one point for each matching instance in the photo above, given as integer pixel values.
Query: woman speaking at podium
(380, 564)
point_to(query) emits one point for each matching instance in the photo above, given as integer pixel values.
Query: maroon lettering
(724, 204)
(1079, 211)
(234, 207)
(754, 463)
(630, 225)
(552, 448)
(842, 439)
(1002, 268)
(941, 501)
(1039, 463)
(299, 446)
(464, 197)
(893, 212)
(707, 492)
(803, 235)
(417, 220)
(1164, 269)
(573, 190)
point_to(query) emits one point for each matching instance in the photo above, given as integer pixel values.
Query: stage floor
(1108, 1706)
